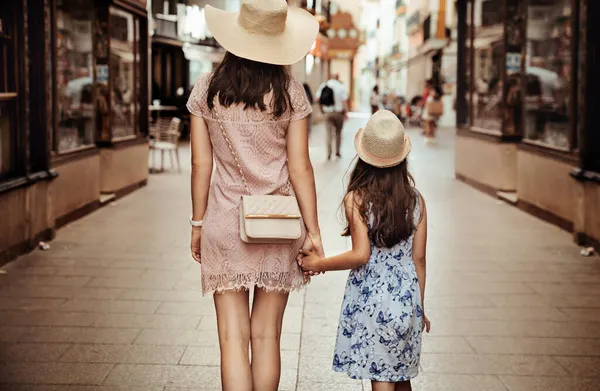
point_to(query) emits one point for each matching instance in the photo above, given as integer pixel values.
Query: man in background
(333, 100)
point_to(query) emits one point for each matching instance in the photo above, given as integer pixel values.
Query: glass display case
(74, 77)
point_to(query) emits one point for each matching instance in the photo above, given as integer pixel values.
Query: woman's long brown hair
(389, 196)
(237, 80)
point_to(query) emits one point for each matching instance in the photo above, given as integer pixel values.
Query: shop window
(8, 91)
(125, 73)
(548, 74)
(74, 78)
(488, 85)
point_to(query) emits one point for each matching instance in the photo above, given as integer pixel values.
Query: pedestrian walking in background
(383, 316)
(434, 109)
(333, 100)
(309, 96)
(375, 100)
(250, 118)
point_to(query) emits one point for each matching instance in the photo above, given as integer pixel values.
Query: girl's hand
(196, 243)
(426, 324)
(310, 262)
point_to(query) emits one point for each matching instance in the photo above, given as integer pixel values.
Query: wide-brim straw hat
(382, 143)
(266, 31)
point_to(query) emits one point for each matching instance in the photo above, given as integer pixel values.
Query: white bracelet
(195, 223)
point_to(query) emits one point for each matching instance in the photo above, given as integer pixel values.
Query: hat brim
(378, 161)
(286, 48)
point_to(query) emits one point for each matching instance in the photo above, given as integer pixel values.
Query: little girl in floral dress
(382, 319)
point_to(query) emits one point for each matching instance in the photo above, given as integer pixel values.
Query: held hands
(196, 244)
(313, 245)
(310, 262)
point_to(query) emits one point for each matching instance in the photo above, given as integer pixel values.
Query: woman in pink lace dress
(264, 114)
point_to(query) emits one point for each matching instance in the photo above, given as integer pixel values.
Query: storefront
(524, 107)
(73, 112)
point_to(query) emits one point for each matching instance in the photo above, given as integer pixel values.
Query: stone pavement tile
(157, 321)
(481, 364)
(67, 281)
(288, 380)
(433, 344)
(11, 334)
(186, 308)
(28, 303)
(150, 265)
(31, 270)
(110, 307)
(167, 375)
(453, 382)
(317, 346)
(59, 292)
(180, 337)
(509, 314)
(320, 326)
(29, 352)
(127, 354)
(121, 282)
(204, 355)
(477, 288)
(565, 288)
(527, 383)
(583, 314)
(581, 366)
(318, 370)
(455, 327)
(46, 318)
(306, 385)
(539, 346)
(161, 295)
(461, 301)
(53, 373)
(321, 311)
(521, 301)
(76, 335)
(100, 272)
(64, 387)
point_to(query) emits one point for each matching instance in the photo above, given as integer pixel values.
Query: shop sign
(513, 62)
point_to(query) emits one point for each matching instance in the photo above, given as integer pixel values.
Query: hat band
(262, 22)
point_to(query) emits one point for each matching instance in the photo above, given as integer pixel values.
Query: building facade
(526, 82)
(73, 112)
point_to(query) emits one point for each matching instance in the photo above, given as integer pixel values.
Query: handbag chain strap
(234, 154)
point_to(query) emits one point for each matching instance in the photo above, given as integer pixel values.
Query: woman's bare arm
(302, 174)
(420, 249)
(202, 166)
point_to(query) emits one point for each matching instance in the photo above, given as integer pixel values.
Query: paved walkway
(115, 304)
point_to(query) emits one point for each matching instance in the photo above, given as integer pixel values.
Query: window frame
(11, 64)
(53, 112)
(138, 71)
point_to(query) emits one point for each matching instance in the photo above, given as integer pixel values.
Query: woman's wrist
(314, 232)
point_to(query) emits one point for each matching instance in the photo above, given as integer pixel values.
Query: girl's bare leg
(403, 386)
(233, 324)
(382, 386)
(265, 335)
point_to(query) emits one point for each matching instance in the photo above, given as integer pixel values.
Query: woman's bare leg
(265, 334)
(382, 386)
(233, 324)
(403, 386)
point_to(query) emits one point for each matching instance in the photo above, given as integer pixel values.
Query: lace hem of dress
(271, 282)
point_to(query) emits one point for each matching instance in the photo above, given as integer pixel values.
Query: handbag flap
(271, 217)
(270, 205)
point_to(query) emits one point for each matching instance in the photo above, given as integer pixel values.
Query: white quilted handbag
(265, 218)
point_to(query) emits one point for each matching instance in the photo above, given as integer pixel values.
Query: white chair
(164, 136)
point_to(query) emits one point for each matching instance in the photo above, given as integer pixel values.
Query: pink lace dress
(260, 142)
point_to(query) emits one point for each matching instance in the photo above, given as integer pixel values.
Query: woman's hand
(310, 262)
(314, 244)
(426, 324)
(196, 243)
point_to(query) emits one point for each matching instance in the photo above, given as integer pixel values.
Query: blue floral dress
(379, 335)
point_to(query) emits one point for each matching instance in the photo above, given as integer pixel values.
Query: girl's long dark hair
(237, 80)
(388, 195)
